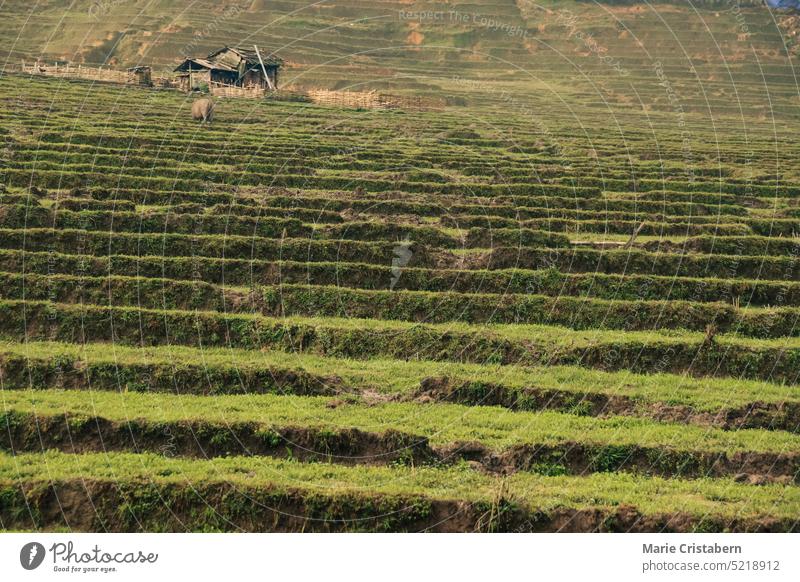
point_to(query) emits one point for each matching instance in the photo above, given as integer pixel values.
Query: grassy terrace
(551, 282)
(443, 424)
(215, 370)
(413, 306)
(546, 335)
(682, 352)
(77, 421)
(567, 302)
(256, 255)
(149, 489)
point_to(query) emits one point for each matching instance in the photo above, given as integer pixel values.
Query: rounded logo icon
(31, 555)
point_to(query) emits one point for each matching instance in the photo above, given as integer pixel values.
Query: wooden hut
(141, 76)
(230, 67)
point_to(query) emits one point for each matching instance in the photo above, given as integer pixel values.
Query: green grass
(366, 339)
(413, 306)
(651, 495)
(443, 424)
(393, 377)
(523, 333)
(538, 137)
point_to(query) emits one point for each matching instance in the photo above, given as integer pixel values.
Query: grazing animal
(203, 110)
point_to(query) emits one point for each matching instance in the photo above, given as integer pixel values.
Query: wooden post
(636, 232)
(264, 70)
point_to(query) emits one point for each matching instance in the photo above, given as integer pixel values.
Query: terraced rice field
(307, 319)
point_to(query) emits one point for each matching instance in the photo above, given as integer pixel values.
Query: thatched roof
(231, 59)
(230, 54)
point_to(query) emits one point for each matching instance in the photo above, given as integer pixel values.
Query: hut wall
(224, 77)
(201, 77)
(183, 83)
(253, 78)
(142, 77)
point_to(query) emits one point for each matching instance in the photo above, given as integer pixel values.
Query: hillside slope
(715, 53)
